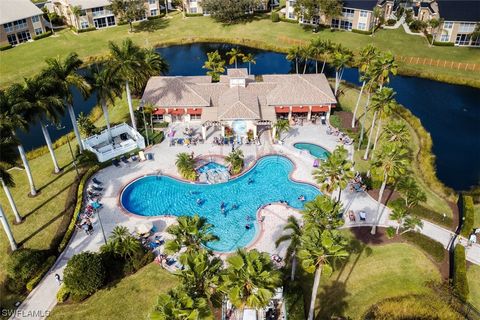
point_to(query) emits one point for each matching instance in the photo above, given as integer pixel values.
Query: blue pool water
(268, 181)
(212, 166)
(315, 150)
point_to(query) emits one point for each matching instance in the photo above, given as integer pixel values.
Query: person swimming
(301, 198)
(235, 206)
(222, 208)
(199, 201)
(247, 226)
(250, 181)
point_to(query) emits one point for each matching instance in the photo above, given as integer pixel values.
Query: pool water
(268, 181)
(212, 166)
(315, 150)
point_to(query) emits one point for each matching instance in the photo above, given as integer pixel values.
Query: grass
(473, 276)
(260, 32)
(132, 298)
(476, 223)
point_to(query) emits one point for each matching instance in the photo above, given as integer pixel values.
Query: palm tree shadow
(332, 300)
(151, 25)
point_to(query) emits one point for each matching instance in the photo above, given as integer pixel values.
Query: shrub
(443, 44)
(433, 248)
(43, 271)
(391, 22)
(289, 20)
(43, 35)
(335, 121)
(468, 216)
(417, 25)
(86, 30)
(154, 17)
(84, 273)
(6, 47)
(460, 282)
(63, 294)
(275, 17)
(85, 125)
(193, 15)
(367, 32)
(22, 266)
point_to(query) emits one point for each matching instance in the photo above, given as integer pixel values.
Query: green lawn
(134, 297)
(473, 275)
(373, 274)
(26, 60)
(476, 211)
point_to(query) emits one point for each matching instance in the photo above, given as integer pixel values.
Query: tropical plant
(76, 11)
(405, 221)
(186, 165)
(236, 160)
(306, 52)
(434, 26)
(250, 280)
(335, 172)
(85, 125)
(292, 225)
(234, 55)
(411, 192)
(190, 232)
(320, 50)
(383, 67)
(229, 11)
(84, 273)
(122, 244)
(391, 164)
(16, 115)
(323, 212)
(130, 10)
(215, 64)
(249, 58)
(319, 250)
(177, 304)
(154, 65)
(341, 58)
(293, 54)
(282, 125)
(397, 131)
(330, 8)
(8, 158)
(377, 18)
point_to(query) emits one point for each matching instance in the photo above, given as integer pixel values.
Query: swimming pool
(268, 181)
(212, 166)
(313, 149)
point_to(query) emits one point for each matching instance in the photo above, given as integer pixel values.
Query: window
(448, 25)
(193, 10)
(341, 24)
(111, 21)
(8, 27)
(291, 15)
(20, 24)
(35, 18)
(100, 23)
(12, 39)
(463, 39)
(83, 13)
(347, 13)
(444, 38)
(157, 117)
(151, 1)
(153, 12)
(363, 13)
(466, 27)
(195, 117)
(23, 36)
(362, 26)
(38, 31)
(84, 25)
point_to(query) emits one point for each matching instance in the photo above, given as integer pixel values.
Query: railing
(101, 13)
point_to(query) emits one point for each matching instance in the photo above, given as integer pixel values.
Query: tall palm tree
(367, 56)
(383, 104)
(249, 58)
(293, 237)
(396, 131)
(319, 250)
(434, 25)
(377, 18)
(341, 58)
(64, 74)
(383, 67)
(236, 160)
(177, 304)
(14, 114)
(250, 280)
(127, 62)
(154, 65)
(76, 12)
(8, 157)
(323, 212)
(306, 53)
(234, 55)
(185, 165)
(294, 54)
(282, 125)
(8, 231)
(107, 86)
(335, 172)
(392, 164)
(215, 64)
(38, 95)
(190, 232)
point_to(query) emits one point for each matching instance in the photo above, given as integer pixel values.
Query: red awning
(176, 111)
(194, 111)
(282, 109)
(300, 109)
(159, 111)
(319, 108)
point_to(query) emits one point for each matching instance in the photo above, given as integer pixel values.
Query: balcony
(102, 13)
(125, 139)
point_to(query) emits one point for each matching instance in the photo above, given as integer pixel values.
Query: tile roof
(238, 103)
(237, 73)
(360, 4)
(88, 4)
(13, 10)
(172, 92)
(459, 10)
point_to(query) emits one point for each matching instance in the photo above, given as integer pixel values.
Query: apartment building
(20, 21)
(356, 14)
(95, 13)
(459, 19)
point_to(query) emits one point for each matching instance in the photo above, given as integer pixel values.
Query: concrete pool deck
(43, 298)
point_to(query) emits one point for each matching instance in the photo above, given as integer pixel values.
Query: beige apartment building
(20, 21)
(356, 14)
(95, 13)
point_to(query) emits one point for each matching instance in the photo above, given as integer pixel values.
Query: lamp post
(71, 152)
(142, 106)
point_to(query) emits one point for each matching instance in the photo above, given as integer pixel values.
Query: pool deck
(43, 298)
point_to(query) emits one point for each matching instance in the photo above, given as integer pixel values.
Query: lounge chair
(116, 163)
(97, 181)
(133, 157)
(149, 156)
(124, 160)
(141, 155)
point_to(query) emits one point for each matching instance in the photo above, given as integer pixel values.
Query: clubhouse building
(239, 101)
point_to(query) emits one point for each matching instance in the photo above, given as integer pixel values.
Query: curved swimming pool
(314, 149)
(267, 182)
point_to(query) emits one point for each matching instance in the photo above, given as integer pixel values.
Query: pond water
(451, 113)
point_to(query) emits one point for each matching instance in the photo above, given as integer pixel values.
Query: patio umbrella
(144, 227)
(171, 133)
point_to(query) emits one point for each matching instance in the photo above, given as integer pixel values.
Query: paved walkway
(43, 298)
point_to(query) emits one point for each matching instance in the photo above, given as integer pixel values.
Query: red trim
(300, 109)
(194, 111)
(176, 112)
(282, 109)
(319, 108)
(159, 111)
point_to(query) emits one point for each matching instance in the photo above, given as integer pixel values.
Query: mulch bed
(346, 120)
(388, 195)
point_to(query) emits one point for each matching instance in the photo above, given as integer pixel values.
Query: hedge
(275, 17)
(87, 30)
(191, 15)
(63, 294)
(362, 31)
(443, 44)
(155, 17)
(46, 266)
(433, 248)
(468, 216)
(460, 282)
(43, 35)
(6, 47)
(289, 20)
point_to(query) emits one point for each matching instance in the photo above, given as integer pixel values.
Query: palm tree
(64, 74)
(154, 65)
(249, 58)
(405, 221)
(234, 55)
(185, 164)
(76, 11)
(383, 104)
(8, 231)
(335, 172)
(215, 64)
(201, 276)
(282, 125)
(392, 164)
(38, 96)
(107, 86)
(122, 244)
(8, 157)
(250, 280)
(294, 238)
(341, 58)
(396, 131)
(411, 192)
(383, 67)
(128, 63)
(294, 54)
(367, 56)
(370, 87)
(434, 25)
(377, 18)
(177, 304)
(305, 53)
(323, 212)
(190, 232)
(235, 159)
(319, 250)
(16, 115)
